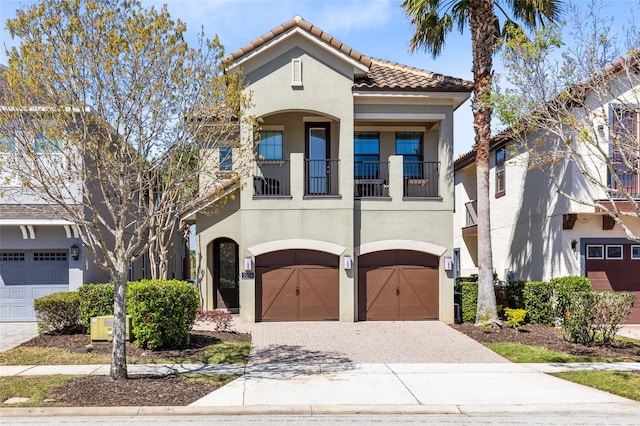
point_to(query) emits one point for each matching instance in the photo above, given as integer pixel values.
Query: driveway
(13, 334)
(327, 342)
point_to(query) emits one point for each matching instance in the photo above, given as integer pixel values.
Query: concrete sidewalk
(373, 388)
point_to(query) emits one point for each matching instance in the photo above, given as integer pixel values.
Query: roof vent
(296, 72)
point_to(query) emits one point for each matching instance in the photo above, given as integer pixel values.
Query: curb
(621, 409)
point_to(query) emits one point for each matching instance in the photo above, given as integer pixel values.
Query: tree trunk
(484, 37)
(118, 352)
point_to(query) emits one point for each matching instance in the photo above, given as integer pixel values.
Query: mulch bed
(550, 338)
(103, 391)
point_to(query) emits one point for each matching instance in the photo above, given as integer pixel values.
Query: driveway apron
(363, 342)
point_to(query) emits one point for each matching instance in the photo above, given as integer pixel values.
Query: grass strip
(621, 383)
(217, 353)
(36, 388)
(517, 352)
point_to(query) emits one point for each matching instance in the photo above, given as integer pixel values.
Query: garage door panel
(418, 296)
(296, 285)
(378, 295)
(404, 286)
(278, 294)
(318, 294)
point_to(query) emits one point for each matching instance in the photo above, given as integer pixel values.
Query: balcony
(272, 178)
(471, 223)
(371, 179)
(421, 179)
(321, 178)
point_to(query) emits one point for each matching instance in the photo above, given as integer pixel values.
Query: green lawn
(517, 352)
(218, 353)
(622, 383)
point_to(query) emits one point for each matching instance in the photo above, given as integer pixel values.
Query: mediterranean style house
(557, 218)
(42, 252)
(347, 212)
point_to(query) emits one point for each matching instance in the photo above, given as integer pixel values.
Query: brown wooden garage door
(297, 285)
(397, 285)
(615, 271)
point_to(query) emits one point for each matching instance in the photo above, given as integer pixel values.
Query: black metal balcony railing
(321, 177)
(472, 213)
(421, 178)
(272, 178)
(371, 179)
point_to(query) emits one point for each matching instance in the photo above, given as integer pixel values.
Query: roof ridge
(299, 22)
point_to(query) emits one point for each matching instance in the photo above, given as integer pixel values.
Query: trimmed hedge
(469, 294)
(538, 301)
(162, 312)
(58, 313)
(95, 300)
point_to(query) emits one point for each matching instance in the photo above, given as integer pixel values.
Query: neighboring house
(347, 214)
(539, 234)
(40, 251)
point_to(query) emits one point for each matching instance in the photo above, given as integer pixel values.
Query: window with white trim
(614, 252)
(270, 146)
(635, 252)
(501, 155)
(625, 152)
(595, 252)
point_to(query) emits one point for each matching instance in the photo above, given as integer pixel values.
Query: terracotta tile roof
(308, 27)
(385, 75)
(381, 76)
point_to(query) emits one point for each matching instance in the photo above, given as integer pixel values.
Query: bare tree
(109, 114)
(575, 111)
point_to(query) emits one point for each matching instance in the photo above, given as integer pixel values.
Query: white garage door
(28, 275)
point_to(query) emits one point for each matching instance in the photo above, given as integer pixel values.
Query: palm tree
(433, 20)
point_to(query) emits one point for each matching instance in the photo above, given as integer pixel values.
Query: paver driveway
(362, 342)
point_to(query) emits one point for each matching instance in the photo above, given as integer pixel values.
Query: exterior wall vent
(296, 72)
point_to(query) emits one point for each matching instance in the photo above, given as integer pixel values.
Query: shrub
(469, 295)
(95, 300)
(595, 315)
(515, 317)
(222, 319)
(515, 294)
(538, 301)
(162, 312)
(58, 313)
(564, 287)
(473, 278)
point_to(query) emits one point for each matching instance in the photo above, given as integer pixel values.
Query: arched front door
(225, 274)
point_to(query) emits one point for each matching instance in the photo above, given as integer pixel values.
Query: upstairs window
(7, 144)
(366, 155)
(226, 158)
(46, 144)
(500, 172)
(409, 145)
(625, 153)
(270, 146)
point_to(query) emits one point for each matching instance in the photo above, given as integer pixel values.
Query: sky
(377, 28)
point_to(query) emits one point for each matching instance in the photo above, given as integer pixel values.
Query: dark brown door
(613, 274)
(398, 285)
(297, 285)
(226, 270)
